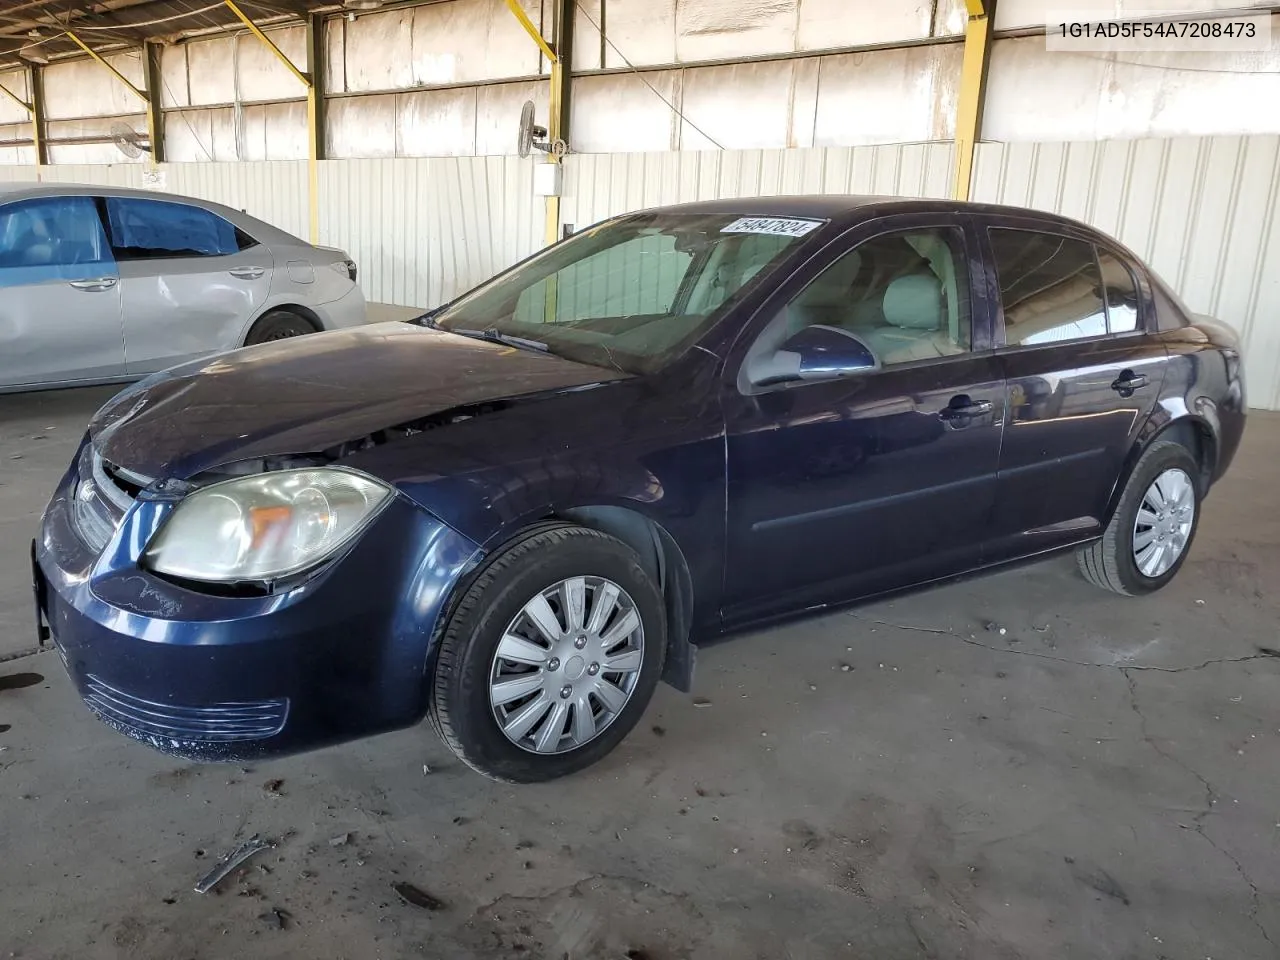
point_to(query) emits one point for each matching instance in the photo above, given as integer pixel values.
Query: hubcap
(1163, 525)
(566, 665)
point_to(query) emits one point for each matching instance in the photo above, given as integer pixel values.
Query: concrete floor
(1095, 777)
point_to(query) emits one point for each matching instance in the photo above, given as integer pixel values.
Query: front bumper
(341, 656)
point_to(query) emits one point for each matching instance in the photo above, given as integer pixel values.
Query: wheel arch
(665, 562)
(1197, 432)
(306, 313)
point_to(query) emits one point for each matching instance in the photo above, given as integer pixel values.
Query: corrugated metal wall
(1201, 211)
(426, 230)
(603, 185)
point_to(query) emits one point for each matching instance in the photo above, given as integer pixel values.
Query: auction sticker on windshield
(773, 225)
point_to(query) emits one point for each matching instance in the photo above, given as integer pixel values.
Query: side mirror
(817, 353)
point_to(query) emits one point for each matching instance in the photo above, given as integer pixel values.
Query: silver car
(99, 284)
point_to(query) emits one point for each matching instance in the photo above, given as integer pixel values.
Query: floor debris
(273, 787)
(701, 702)
(275, 917)
(417, 897)
(232, 860)
(341, 840)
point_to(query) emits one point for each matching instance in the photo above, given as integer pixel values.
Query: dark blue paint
(779, 499)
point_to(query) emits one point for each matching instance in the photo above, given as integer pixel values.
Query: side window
(1050, 287)
(52, 239)
(1121, 293)
(904, 295)
(159, 229)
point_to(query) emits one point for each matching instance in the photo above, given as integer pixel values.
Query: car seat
(915, 314)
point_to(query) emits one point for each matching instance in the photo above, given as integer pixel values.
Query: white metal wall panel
(1201, 211)
(274, 191)
(604, 185)
(16, 83)
(660, 32)
(1039, 96)
(259, 73)
(16, 154)
(84, 88)
(460, 41)
(425, 230)
(1033, 13)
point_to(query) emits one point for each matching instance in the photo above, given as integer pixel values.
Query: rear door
(1082, 375)
(190, 280)
(59, 294)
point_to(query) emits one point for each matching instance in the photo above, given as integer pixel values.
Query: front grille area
(101, 498)
(219, 723)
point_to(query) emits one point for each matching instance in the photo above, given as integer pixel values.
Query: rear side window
(1121, 293)
(159, 229)
(1050, 288)
(52, 239)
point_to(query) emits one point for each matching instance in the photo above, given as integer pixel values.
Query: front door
(59, 294)
(189, 280)
(851, 486)
(1082, 377)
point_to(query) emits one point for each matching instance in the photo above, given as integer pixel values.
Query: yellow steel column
(315, 94)
(560, 58)
(155, 118)
(973, 87)
(315, 116)
(35, 86)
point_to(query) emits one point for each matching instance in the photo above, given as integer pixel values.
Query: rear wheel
(550, 656)
(278, 325)
(1154, 523)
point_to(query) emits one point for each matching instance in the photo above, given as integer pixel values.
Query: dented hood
(311, 393)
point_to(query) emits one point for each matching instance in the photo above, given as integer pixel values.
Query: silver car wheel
(1163, 524)
(566, 665)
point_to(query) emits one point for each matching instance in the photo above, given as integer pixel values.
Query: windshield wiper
(493, 335)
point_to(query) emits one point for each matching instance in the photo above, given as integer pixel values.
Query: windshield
(631, 294)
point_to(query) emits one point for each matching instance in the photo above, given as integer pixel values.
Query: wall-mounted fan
(534, 137)
(128, 141)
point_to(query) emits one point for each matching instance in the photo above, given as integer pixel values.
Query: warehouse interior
(1014, 766)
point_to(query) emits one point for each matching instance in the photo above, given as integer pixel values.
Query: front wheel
(550, 656)
(1151, 531)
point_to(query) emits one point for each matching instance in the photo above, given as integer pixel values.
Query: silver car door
(59, 294)
(190, 280)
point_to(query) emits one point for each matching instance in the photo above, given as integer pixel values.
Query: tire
(494, 606)
(278, 325)
(1111, 562)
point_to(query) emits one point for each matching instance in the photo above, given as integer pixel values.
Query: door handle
(100, 283)
(247, 273)
(961, 409)
(1127, 382)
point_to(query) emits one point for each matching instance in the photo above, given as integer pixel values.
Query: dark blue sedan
(518, 513)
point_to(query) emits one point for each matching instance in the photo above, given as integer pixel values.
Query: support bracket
(141, 95)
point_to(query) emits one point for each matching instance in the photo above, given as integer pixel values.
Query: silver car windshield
(633, 293)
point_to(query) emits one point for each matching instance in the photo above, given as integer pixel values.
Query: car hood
(311, 393)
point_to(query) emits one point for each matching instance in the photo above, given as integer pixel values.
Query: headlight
(265, 527)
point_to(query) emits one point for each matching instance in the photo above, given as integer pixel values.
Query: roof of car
(848, 206)
(260, 230)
